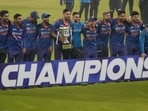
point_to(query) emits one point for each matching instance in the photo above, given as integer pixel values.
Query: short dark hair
(16, 15)
(120, 12)
(3, 12)
(75, 13)
(134, 13)
(66, 10)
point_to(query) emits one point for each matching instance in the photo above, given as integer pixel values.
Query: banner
(63, 72)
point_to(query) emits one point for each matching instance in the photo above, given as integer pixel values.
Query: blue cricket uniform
(58, 47)
(3, 41)
(104, 30)
(44, 42)
(16, 43)
(143, 41)
(132, 39)
(76, 35)
(77, 51)
(89, 43)
(30, 35)
(117, 47)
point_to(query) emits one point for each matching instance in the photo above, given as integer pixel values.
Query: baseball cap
(92, 19)
(44, 15)
(34, 14)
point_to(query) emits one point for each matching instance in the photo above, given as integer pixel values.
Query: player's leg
(91, 8)
(19, 56)
(57, 51)
(32, 54)
(114, 50)
(66, 53)
(82, 6)
(122, 50)
(40, 54)
(124, 3)
(96, 5)
(86, 11)
(131, 4)
(2, 55)
(102, 51)
(47, 56)
(112, 7)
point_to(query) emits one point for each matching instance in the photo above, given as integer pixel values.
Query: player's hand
(62, 39)
(143, 55)
(24, 50)
(50, 49)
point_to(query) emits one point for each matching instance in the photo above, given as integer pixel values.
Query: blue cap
(34, 15)
(44, 15)
(92, 19)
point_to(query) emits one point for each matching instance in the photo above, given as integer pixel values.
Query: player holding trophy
(62, 43)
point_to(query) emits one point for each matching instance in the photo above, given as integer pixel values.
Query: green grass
(123, 96)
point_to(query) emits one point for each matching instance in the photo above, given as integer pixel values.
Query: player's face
(19, 20)
(135, 18)
(121, 17)
(107, 17)
(46, 19)
(5, 17)
(92, 23)
(67, 15)
(76, 18)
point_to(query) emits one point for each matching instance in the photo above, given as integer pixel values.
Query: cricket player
(132, 34)
(30, 36)
(114, 5)
(94, 4)
(63, 42)
(143, 5)
(69, 4)
(104, 31)
(131, 4)
(4, 28)
(44, 33)
(118, 30)
(16, 43)
(144, 41)
(84, 5)
(89, 42)
(77, 50)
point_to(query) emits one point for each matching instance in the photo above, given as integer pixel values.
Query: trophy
(66, 33)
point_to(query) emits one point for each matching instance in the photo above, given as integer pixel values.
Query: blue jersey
(104, 31)
(44, 36)
(3, 35)
(117, 33)
(89, 41)
(133, 33)
(143, 41)
(60, 23)
(16, 39)
(76, 35)
(29, 33)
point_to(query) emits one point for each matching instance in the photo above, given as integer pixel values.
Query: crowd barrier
(65, 72)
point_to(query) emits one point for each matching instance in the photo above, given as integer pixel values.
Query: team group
(21, 39)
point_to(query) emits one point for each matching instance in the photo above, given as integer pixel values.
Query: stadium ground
(121, 96)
